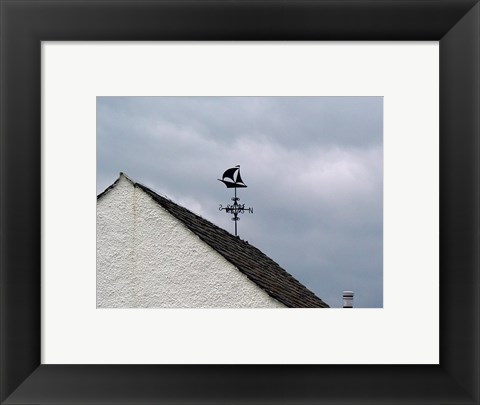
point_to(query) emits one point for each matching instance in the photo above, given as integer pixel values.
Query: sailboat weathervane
(232, 179)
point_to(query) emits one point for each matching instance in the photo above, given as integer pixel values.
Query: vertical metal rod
(234, 203)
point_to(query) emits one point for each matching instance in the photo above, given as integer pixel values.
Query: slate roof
(257, 266)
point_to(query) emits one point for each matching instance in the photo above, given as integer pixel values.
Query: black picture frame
(24, 24)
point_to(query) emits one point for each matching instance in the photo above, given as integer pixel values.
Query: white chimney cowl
(348, 299)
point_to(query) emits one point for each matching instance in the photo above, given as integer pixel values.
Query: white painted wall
(147, 258)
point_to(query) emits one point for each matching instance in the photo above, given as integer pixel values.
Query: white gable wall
(147, 258)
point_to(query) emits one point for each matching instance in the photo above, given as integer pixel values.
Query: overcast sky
(313, 167)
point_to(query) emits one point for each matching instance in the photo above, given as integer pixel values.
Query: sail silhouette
(232, 179)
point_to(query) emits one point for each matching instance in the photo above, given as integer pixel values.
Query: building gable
(146, 257)
(259, 268)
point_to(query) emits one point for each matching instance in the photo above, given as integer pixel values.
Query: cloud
(313, 166)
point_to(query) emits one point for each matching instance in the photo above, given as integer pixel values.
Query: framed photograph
(321, 208)
(405, 76)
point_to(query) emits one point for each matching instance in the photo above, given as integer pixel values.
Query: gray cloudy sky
(313, 167)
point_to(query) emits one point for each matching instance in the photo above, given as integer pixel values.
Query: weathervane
(231, 178)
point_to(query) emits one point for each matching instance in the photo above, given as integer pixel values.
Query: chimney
(348, 299)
